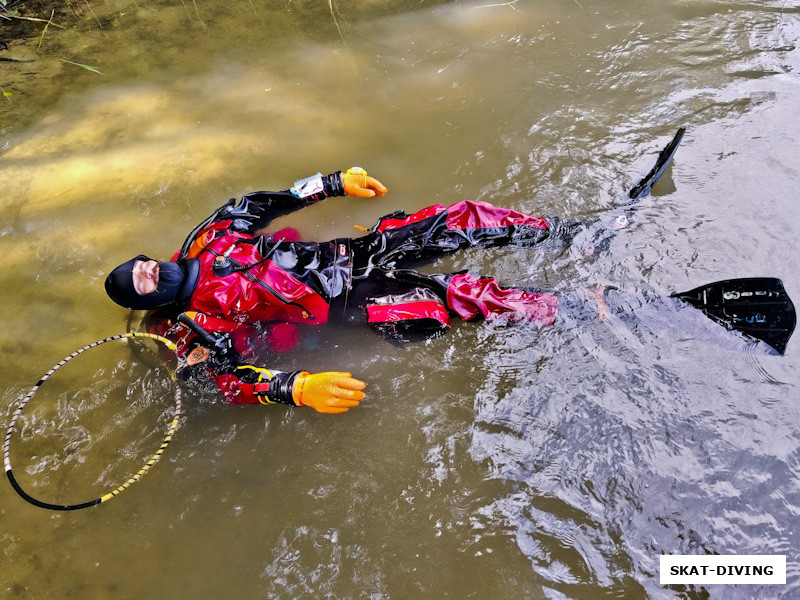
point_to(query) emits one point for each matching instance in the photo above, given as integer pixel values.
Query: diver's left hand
(356, 182)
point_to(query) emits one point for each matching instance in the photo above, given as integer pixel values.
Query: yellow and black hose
(134, 478)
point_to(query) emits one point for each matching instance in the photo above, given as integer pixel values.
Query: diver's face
(145, 276)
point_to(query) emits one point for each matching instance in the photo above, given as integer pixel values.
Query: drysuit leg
(405, 305)
(402, 241)
(472, 297)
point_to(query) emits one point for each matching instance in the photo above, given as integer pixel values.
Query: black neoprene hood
(176, 283)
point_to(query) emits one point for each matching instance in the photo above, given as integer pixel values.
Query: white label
(713, 568)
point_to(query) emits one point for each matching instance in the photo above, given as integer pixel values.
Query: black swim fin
(642, 189)
(595, 237)
(758, 307)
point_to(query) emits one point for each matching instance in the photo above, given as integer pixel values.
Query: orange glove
(329, 392)
(356, 182)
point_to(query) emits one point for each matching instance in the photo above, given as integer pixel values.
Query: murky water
(495, 462)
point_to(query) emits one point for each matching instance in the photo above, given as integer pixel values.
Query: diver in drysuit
(227, 277)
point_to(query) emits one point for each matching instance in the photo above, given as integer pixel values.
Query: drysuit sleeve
(247, 384)
(328, 392)
(257, 209)
(241, 383)
(210, 346)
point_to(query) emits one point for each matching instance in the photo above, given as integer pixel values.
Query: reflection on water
(494, 462)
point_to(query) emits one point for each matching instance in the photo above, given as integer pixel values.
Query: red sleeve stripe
(391, 313)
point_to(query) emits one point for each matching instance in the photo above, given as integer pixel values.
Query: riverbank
(39, 40)
(26, 18)
(53, 48)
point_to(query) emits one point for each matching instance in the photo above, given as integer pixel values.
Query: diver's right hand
(329, 392)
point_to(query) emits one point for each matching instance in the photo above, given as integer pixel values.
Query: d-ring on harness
(133, 479)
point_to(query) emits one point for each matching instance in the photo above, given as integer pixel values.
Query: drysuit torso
(245, 277)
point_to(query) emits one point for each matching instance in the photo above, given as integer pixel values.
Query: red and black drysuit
(263, 278)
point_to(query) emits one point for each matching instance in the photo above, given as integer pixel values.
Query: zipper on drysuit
(262, 283)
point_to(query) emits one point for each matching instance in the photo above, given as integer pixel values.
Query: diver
(229, 281)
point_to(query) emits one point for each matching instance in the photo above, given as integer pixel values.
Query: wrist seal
(280, 388)
(335, 184)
